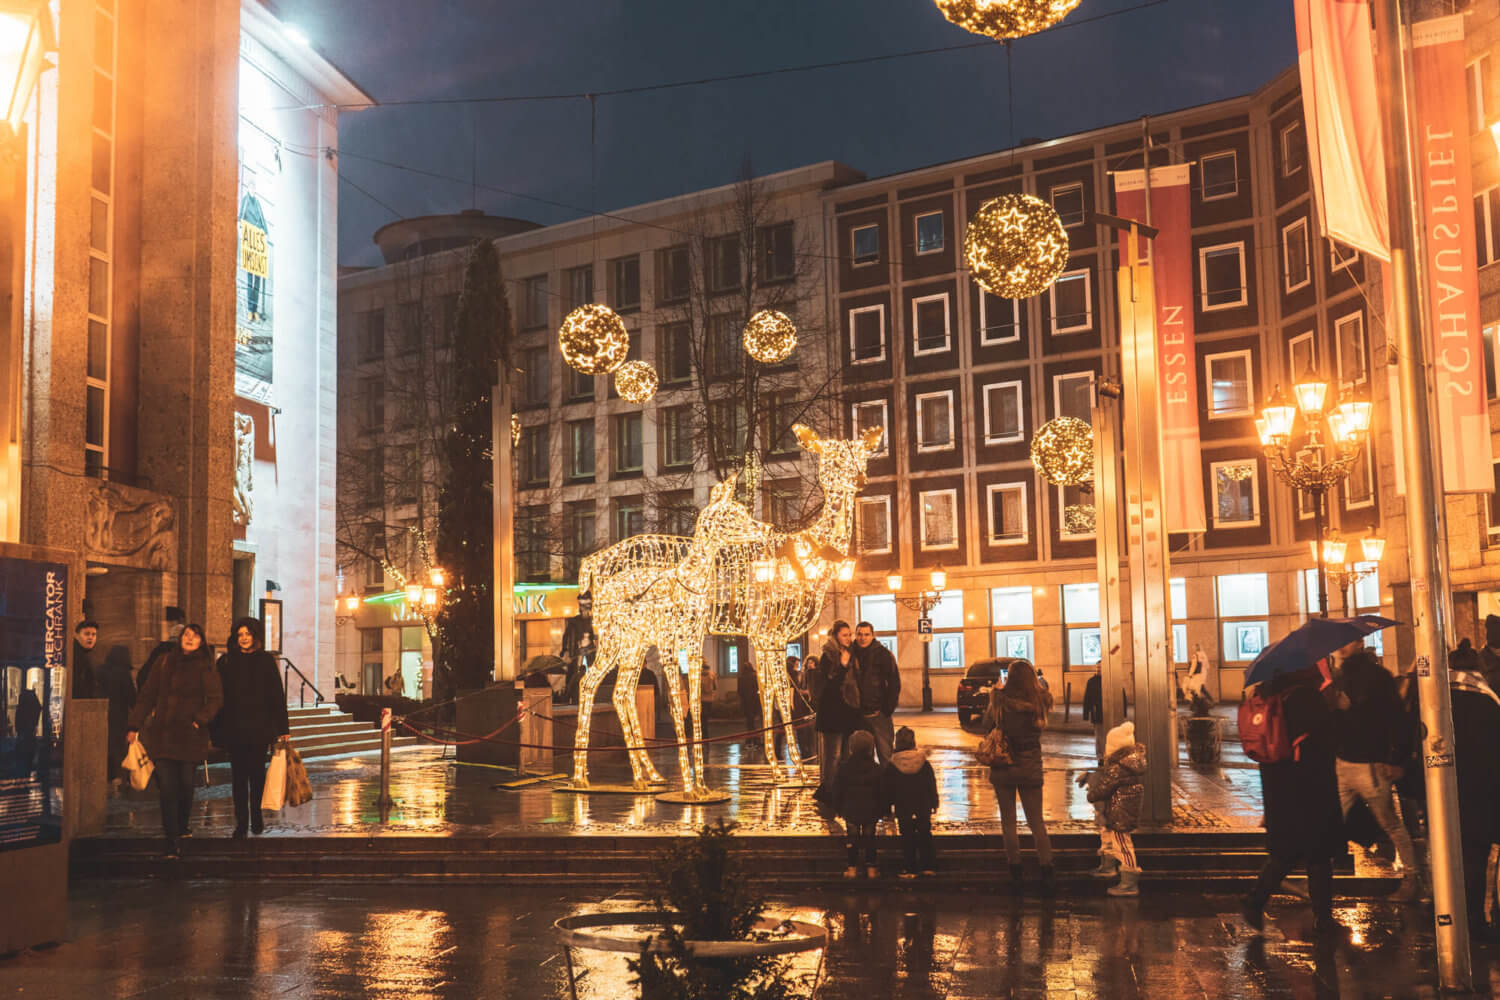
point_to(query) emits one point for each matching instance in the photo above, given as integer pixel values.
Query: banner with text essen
(1345, 138)
(1455, 342)
(1171, 256)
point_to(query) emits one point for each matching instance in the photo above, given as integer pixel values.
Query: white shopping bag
(139, 765)
(275, 794)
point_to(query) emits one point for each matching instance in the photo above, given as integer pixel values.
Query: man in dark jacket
(85, 638)
(1476, 719)
(879, 687)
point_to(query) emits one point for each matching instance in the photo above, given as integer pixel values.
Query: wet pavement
(143, 939)
(435, 795)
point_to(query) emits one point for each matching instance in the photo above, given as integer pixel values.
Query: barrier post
(384, 802)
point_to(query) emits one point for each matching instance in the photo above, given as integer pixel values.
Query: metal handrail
(318, 698)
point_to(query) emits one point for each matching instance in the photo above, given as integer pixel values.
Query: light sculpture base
(704, 798)
(605, 788)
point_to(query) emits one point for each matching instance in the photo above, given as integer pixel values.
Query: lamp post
(1346, 574)
(344, 609)
(1318, 457)
(922, 604)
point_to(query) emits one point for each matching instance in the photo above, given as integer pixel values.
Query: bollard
(384, 802)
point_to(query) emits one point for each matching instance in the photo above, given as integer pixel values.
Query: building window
(675, 513)
(630, 517)
(1221, 175)
(880, 611)
(1007, 510)
(1293, 149)
(1301, 355)
(1242, 606)
(1349, 348)
(999, 320)
(874, 522)
(725, 348)
(864, 243)
(1081, 620)
(1231, 390)
(1476, 79)
(1493, 504)
(536, 376)
(1067, 202)
(625, 282)
(1076, 514)
(935, 421)
(1003, 422)
(1177, 595)
(580, 385)
(1359, 488)
(581, 449)
(929, 233)
(1491, 345)
(1236, 493)
(579, 282)
(628, 442)
(582, 522)
(674, 278)
(724, 273)
(678, 437)
(938, 515)
(676, 353)
(1073, 395)
(1012, 615)
(101, 250)
(1296, 273)
(872, 413)
(777, 252)
(1072, 302)
(372, 341)
(534, 302)
(374, 394)
(1487, 226)
(1340, 257)
(1221, 276)
(929, 324)
(534, 464)
(728, 426)
(867, 334)
(946, 650)
(779, 411)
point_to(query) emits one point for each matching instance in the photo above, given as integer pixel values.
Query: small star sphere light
(1005, 18)
(1063, 451)
(770, 336)
(1016, 246)
(593, 339)
(635, 381)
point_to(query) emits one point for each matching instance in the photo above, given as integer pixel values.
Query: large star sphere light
(593, 339)
(1016, 246)
(1005, 18)
(635, 381)
(770, 336)
(1063, 451)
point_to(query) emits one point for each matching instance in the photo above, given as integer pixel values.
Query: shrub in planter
(704, 882)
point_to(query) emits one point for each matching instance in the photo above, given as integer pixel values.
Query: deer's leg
(630, 723)
(587, 688)
(763, 656)
(783, 688)
(679, 723)
(695, 704)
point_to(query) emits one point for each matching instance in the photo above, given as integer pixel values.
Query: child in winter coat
(1116, 789)
(857, 800)
(909, 785)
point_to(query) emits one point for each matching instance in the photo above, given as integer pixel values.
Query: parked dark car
(974, 689)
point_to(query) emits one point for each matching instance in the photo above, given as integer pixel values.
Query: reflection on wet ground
(333, 940)
(435, 794)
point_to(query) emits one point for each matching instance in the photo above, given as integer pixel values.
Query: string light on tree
(770, 336)
(1005, 18)
(1016, 246)
(1063, 452)
(635, 381)
(593, 339)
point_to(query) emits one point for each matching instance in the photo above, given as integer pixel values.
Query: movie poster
(33, 679)
(254, 315)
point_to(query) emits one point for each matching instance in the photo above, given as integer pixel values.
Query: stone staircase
(324, 731)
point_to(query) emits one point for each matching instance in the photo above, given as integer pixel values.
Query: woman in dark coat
(254, 717)
(836, 717)
(1304, 822)
(1476, 719)
(1019, 709)
(171, 718)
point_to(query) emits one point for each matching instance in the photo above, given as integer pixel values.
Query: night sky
(879, 117)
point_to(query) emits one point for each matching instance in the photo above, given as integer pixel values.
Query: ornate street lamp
(922, 604)
(1347, 574)
(1317, 458)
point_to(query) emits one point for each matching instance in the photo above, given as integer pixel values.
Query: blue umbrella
(1303, 647)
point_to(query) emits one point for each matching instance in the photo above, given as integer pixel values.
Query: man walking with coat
(879, 687)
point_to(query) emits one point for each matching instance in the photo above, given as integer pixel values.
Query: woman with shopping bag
(171, 717)
(253, 717)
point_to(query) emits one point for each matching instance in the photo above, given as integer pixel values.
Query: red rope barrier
(468, 739)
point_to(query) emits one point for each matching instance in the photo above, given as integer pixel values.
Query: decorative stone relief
(131, 526)
(244, 465)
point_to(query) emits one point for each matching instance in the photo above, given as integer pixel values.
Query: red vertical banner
(1455, 342)
(1171, 257)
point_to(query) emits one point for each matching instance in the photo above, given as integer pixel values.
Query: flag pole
(1426, 526)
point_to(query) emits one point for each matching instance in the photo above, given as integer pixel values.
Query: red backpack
(1263, 728)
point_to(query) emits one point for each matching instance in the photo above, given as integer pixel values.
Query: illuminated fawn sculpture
(735, 577)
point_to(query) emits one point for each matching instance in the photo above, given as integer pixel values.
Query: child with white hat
(1116, 788)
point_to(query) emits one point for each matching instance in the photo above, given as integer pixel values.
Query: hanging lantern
(770, 336)
(593, 339)
(1063, 451)
(635, 381)
(1016, 246)
(1005, 18)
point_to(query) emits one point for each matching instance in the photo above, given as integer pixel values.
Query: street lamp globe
(1356, 414)
(1373, 546)
(437, 577)
(429, 597)
(1334, 550)
(351, 603)
(413, 593)
(1311, 392)
(893, 582)
(939, 579)
(1279, 415)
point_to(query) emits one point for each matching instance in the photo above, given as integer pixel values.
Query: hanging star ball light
(1016, 246)
(635, 381)
(770, 336)
(593, 339)
(1063, 451)
(1005, 18)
